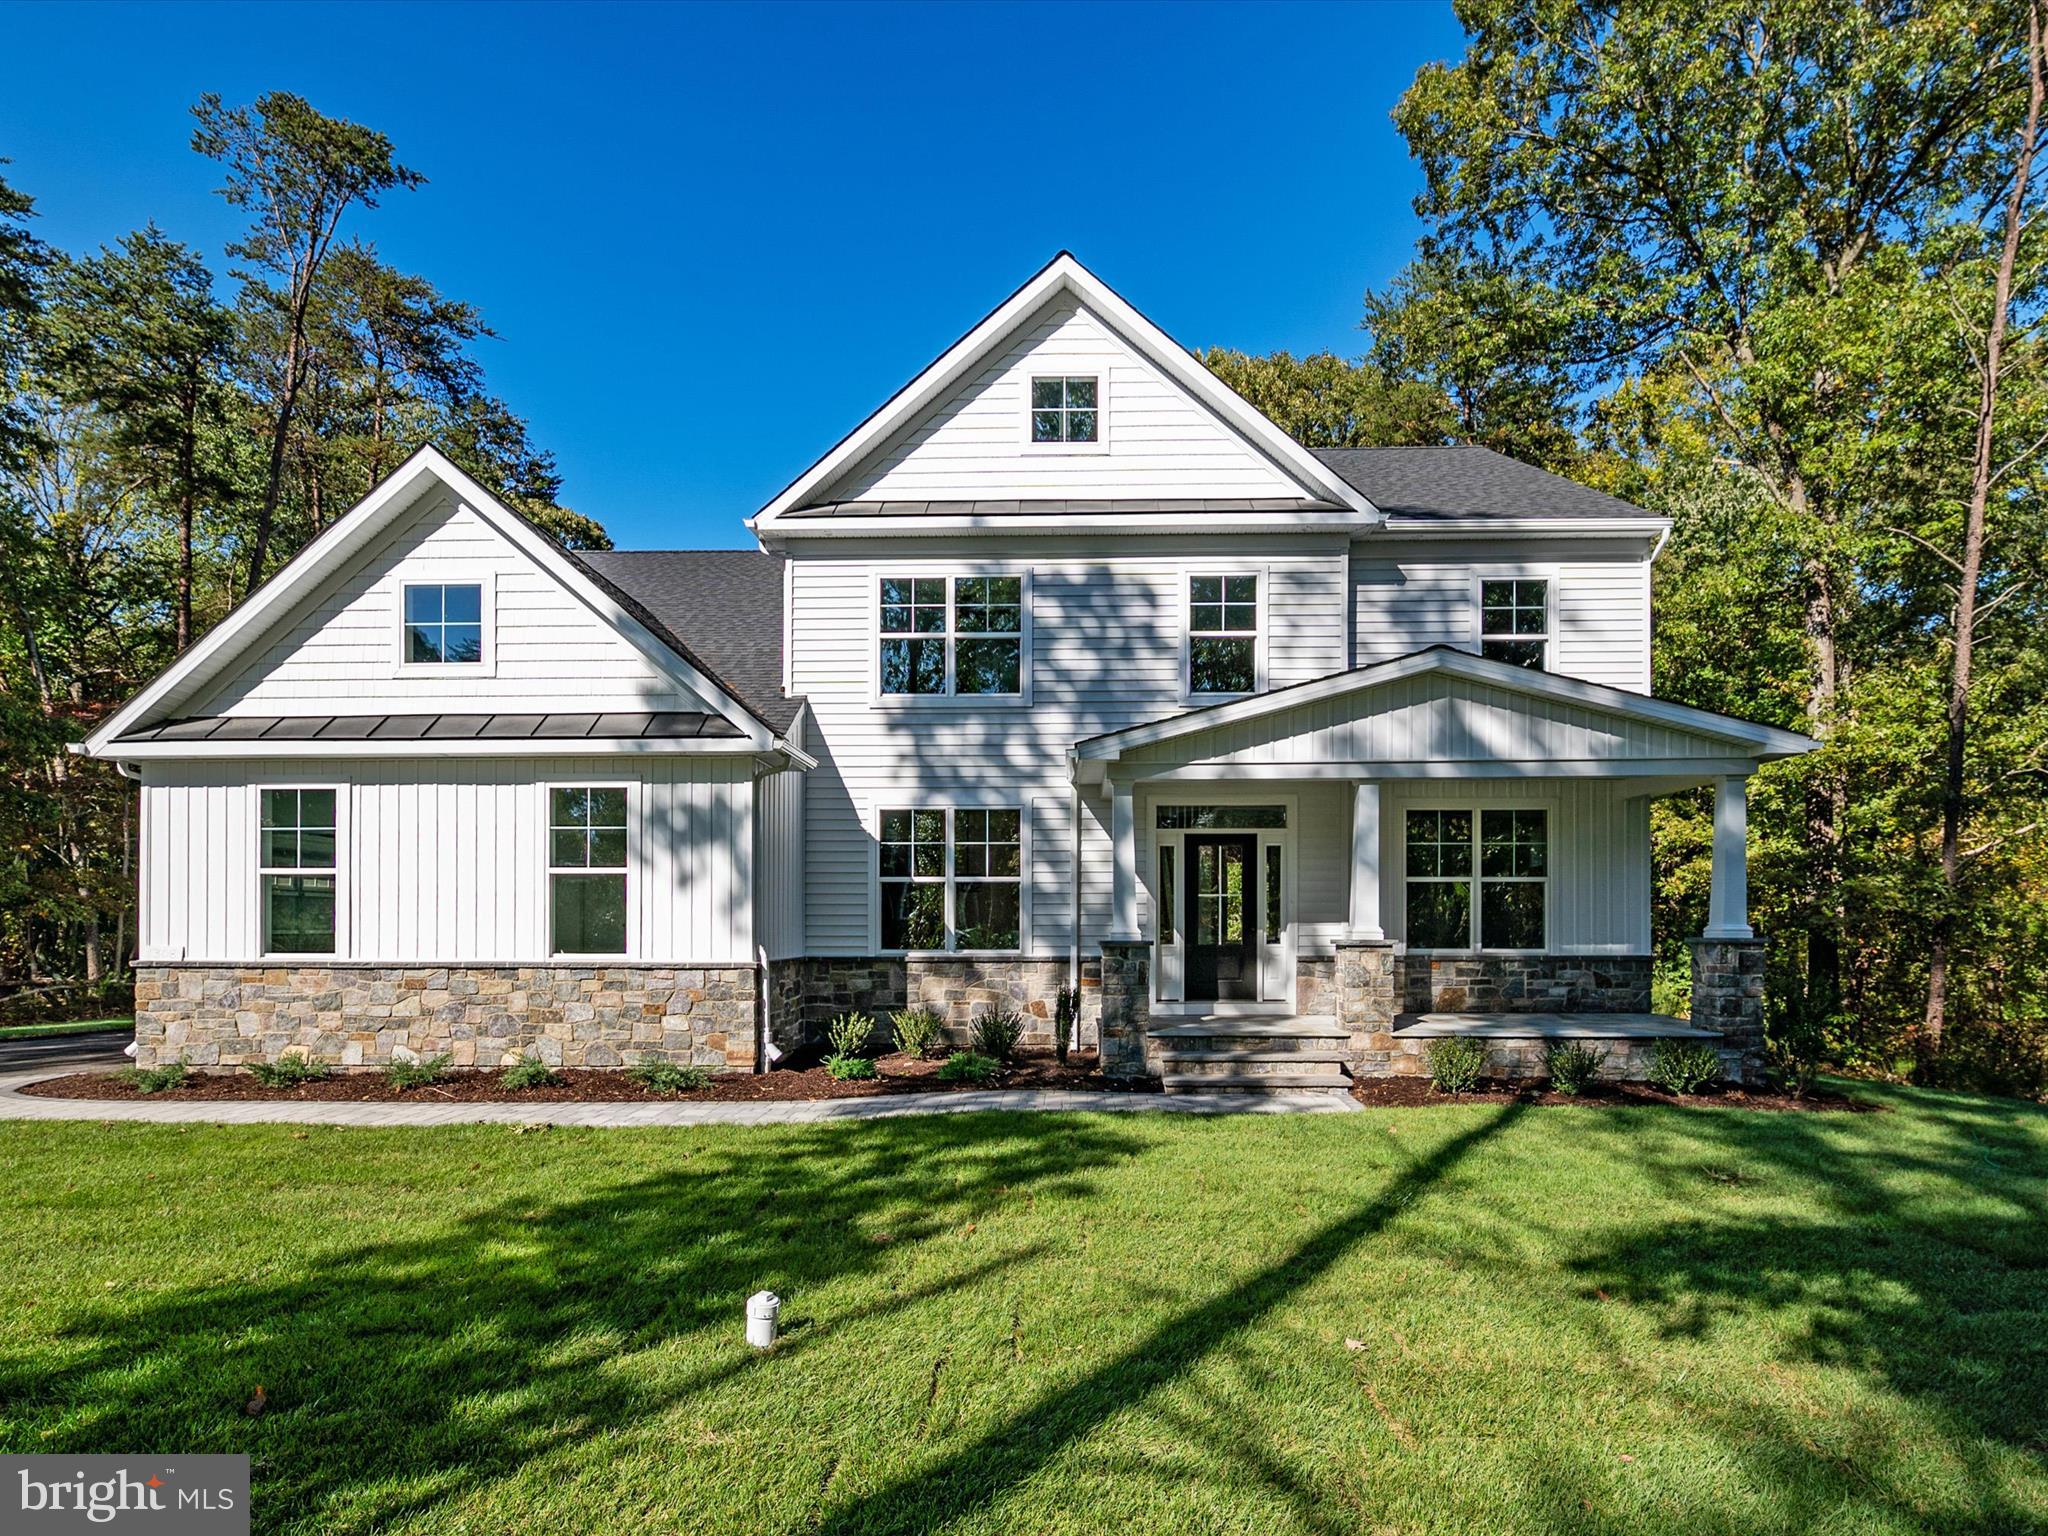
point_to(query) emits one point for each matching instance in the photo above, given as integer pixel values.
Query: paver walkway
(15, 1105)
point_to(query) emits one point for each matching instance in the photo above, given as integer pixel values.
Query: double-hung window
(1223, 634)
(1514, 621)
(1509, 872)
(951, 879)
(297, 871)
(587, 869)
(958, 635)
(444, 623)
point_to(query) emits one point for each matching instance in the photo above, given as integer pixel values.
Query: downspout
(1074, 951)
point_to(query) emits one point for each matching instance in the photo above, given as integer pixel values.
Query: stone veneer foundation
(804, 996)
(476, 1015)
(1524, 983)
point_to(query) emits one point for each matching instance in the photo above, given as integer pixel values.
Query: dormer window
(1065, 410)
(444, 624)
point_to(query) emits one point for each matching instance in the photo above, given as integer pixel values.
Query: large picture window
(951, 880)
(1514, 622)
(1223, 634)
(1509, 871)
(960, 635)
(296, 869)
(587, 870)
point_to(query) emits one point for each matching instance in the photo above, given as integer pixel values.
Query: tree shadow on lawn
(407, 1373)
(1929, 1275)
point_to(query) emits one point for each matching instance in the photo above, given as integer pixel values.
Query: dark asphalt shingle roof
(1466, 483)
(724, 604)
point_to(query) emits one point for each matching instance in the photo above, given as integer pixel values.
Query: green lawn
(1457, 1319)
(77, 1027)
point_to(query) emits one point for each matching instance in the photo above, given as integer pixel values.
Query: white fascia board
(1397, 527)
(1062, 274)
(1178, 524)
(1763, 740)
(523, 746)
(349, 534)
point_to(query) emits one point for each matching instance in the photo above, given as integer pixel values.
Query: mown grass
(77, 1027)
(1477, 1318)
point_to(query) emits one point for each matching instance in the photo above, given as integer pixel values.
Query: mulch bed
(1415, 1092)
(583, 1085)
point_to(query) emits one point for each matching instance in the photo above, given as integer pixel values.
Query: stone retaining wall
(1524, 983)
(476, 1015)
(806, 995)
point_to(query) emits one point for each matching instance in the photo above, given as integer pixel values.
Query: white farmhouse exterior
(1066, 669)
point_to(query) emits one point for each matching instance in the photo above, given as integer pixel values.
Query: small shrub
(416, 1074)
(1066, 1013)
(667, 1077)
(531, 1073)
(155, 1079)
(1455, 1063)
(916, 1029)
(967, 1067)
(290, 1072)
(1572, 1064)
(849, 1034)
(1683, 1066)
(844, 1068)
(996, 1034)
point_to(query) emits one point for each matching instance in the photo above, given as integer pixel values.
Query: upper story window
(444, 623)
(1223, 634)
(1065, 410)
(297, 870)
(961, 635)
(1514, 621)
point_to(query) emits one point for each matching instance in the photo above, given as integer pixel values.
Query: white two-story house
(1066, 668)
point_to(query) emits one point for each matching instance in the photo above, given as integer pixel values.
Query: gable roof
(1748, 738)
(729, 601)
(1466, 482)
(1065, 275)
(298, 577)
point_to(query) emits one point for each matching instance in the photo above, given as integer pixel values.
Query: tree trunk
(1971, 566)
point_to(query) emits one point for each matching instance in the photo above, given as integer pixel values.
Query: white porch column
(1728, 903)
(1365, 862)
(1123, 840)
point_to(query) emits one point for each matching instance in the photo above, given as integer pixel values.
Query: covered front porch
(1432, 845)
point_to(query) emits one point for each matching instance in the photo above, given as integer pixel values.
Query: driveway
(66, 1053)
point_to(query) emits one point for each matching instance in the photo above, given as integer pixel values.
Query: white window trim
(949, 805)
(484, 666)
(1188, 696)
(1477, 810)
(1543, 573)
(635, 812)
(949, 699)
(259, 941)
(1046, 366)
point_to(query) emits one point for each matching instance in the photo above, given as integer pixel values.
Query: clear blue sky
(712, 239)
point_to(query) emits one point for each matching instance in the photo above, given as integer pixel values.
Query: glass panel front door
(1222, 918)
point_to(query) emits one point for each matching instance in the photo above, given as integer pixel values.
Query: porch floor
(1550, 1026)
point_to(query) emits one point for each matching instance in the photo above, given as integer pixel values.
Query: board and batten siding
(446, 859)
(1107, 629)
(1157, 440)
(339, 654)
(779, 872)
(1414, 594)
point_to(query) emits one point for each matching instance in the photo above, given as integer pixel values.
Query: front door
(1222, 918)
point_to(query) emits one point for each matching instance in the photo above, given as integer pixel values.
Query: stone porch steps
(1269, 1082)
(1252, 1054)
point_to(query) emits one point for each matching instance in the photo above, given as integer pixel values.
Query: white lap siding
(446, 860)
(1107, 619)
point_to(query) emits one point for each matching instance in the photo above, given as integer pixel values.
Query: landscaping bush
(416, 1074)
(1456, 1063)
(290, 1072)
(996, 1034)
(967, 1067)
(1572, 1064)
(667, 1077)
(530, 1074)
(1683, 1066)
(1066, 1013)
(155, 1079)
(916, 1029)
(845, 1068)
(849, 1034)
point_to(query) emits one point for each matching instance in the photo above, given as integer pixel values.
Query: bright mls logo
(163, 1495)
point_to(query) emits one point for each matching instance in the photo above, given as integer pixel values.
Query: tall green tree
(1324, 401)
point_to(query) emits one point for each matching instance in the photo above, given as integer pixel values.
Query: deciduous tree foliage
(164, 442)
